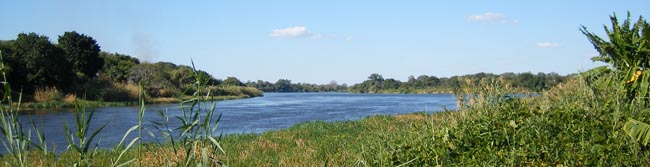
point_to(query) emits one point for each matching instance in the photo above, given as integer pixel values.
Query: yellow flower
(635, 76)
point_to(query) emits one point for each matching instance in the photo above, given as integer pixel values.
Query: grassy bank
(570, 125)
(161, 100)
(225, 93)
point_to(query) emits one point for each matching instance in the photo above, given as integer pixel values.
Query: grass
(570, 125)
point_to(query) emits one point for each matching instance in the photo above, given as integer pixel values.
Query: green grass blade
(90, 139)
(127, 148)
(133, 128)
(216, 144)
(126, 163)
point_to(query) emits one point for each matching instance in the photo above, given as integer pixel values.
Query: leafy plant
(121, 148)
(628, 53)
(80, 140)
(16, 141)
(638, 130)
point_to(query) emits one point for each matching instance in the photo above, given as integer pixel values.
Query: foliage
(522, 82)
(235, 91)
(16, 140)
(196, 133)
(232, 81)
(76, 65)
(33, 61)
(80, 140)
(638, 130)
(116, 66)
(81, 52)
(153, 77)
(285, 85)
(628, 53)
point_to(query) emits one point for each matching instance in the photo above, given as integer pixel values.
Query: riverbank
(570, 125)
(160, 100)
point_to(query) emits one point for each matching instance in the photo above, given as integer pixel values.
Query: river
(255, 115)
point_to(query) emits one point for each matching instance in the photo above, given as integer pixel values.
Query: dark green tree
(391, 84)
(376, 77)
(82, 52)
(283, 85)
(36, 62)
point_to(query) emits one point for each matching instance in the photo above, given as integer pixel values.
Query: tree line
(76, 65)
(525, 82)
(285, 85)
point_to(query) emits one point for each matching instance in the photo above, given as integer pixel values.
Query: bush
(235, 91)
(47, 94)
(121, 92)
(572, 125)
(169, 92)
(104, 90)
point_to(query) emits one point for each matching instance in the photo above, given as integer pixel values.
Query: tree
(82, 52)
(183, 75)
(232, 81)
(628, 52)
(36, 62)
(116, 66)
(376, 77)
(152, 78)
(391, 84)
(283, 85)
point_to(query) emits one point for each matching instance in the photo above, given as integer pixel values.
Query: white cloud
(292, 32)
(302, 32)
(490, 17)
(547, 45)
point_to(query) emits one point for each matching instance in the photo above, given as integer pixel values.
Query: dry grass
(70, 98)
(410, 117)
(47, 94)
(164, 100)
(121, 92)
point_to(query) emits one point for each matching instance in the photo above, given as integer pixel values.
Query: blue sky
(346, 41)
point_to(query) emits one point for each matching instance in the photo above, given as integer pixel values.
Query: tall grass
(47, 94)
(195, 141)
(80, 139)
(193, 145)
(573, 124)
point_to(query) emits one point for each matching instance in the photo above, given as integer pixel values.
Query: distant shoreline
(97, 104)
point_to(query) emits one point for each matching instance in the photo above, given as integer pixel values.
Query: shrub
(235, 91)
(628, 53)
(47, 94)
(122, 92)
(70, 98)
(168, 92)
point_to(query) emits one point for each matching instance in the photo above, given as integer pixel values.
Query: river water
(255, 115)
